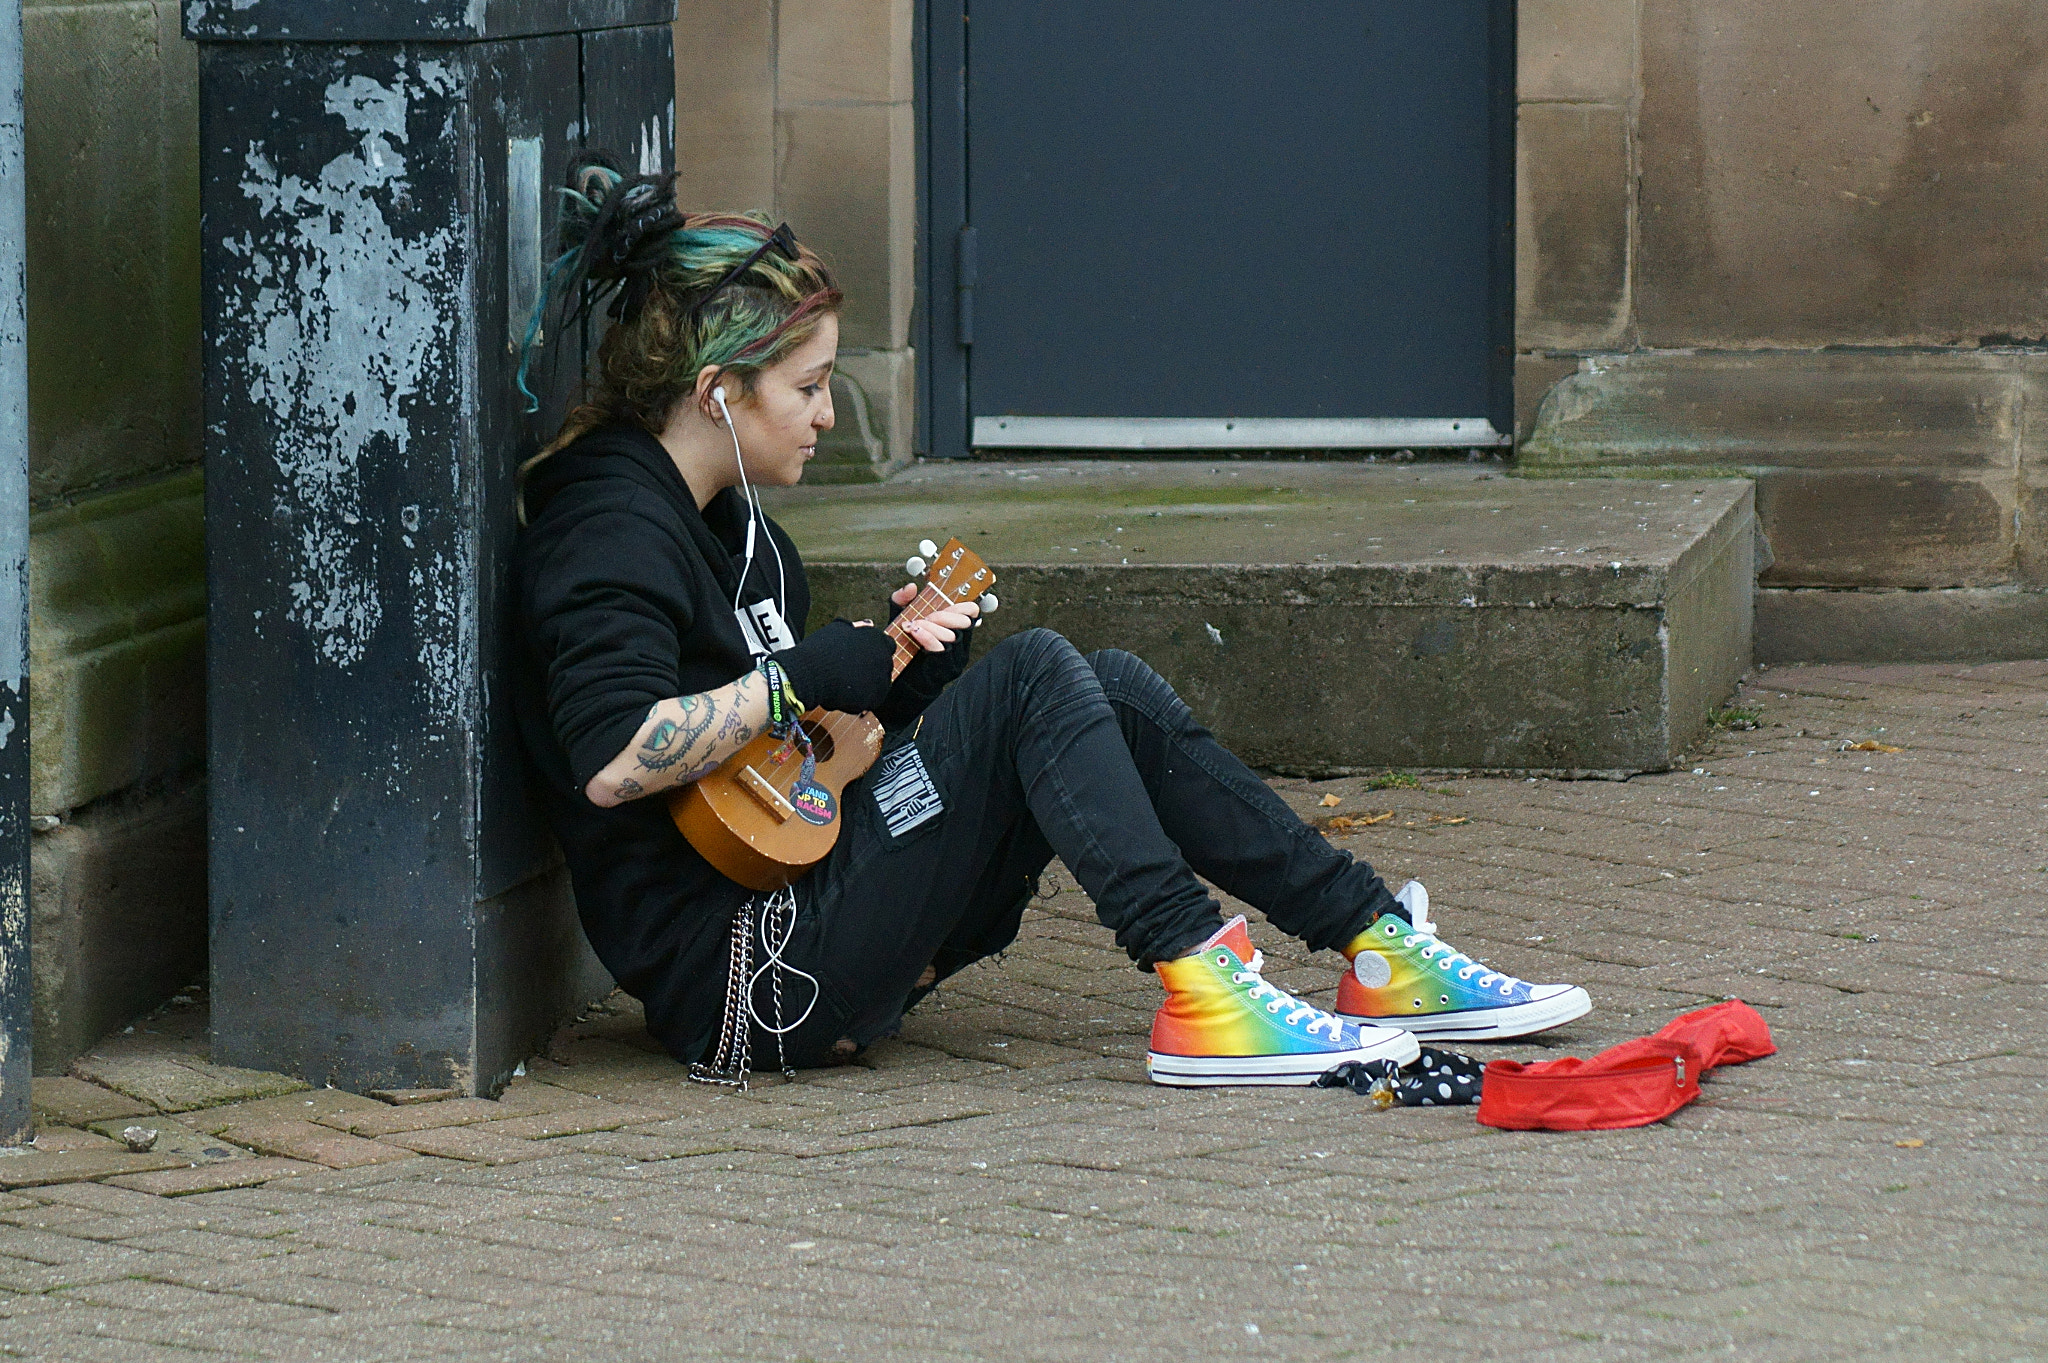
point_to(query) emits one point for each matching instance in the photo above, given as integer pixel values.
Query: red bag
(1633, 1084)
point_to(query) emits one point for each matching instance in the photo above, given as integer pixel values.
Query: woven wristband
(782, 702)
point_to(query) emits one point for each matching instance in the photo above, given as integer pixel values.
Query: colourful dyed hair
(623, 240)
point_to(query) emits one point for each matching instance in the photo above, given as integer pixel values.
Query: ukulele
(757, 819)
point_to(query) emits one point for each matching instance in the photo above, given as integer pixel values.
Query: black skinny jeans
(1037, 750)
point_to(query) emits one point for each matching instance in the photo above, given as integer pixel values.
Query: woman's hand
(941, 627)
(944, 636)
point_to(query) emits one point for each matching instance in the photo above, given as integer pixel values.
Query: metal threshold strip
(1232, 433)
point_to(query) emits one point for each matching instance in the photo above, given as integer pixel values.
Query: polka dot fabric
(1437, 1078)
(1440, 1078)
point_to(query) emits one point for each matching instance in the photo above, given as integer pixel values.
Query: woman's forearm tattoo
(669, 743)
(735, 730)
(677, 751)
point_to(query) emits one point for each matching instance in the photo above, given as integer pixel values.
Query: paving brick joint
(1001, 1182)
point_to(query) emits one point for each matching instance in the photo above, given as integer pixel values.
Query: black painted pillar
(378, 192)
(15, 1023)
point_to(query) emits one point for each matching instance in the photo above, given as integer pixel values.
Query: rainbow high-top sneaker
(1404, 975)
(1222, 1024)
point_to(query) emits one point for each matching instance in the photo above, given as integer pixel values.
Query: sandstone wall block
(110, 94)
(117, 604)
(1919, 528)
(1842, 172)
(1573, 222)
(1576, 51)
(118, 910)
(1964, 624)
(725, 105)
(1874, 469)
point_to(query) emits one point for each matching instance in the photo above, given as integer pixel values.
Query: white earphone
(753, 509)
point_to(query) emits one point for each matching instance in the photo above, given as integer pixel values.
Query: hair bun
(616, 226)
(647, 208)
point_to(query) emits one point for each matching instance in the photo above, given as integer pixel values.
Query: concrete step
(1334, 618)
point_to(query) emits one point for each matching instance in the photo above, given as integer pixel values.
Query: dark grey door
(1186, 224)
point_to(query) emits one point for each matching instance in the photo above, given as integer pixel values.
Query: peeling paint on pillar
(342, 333)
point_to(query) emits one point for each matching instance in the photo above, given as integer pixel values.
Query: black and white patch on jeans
(904, 791)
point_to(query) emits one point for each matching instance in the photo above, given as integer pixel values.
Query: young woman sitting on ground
(658, 614)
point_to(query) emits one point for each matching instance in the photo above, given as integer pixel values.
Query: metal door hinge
(966, 270)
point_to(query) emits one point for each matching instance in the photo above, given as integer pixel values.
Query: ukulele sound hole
(821, 740)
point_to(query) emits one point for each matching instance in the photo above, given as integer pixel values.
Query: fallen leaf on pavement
(1332, 801)
(1870, 745)
(1342, 823)
(1914, 1144)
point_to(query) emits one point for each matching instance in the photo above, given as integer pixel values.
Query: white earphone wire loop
(779, 920)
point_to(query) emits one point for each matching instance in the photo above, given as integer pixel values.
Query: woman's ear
(707, 379)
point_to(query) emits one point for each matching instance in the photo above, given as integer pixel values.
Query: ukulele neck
(928, 599)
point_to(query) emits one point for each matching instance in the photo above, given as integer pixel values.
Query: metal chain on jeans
(731, 1062)
(773, 937)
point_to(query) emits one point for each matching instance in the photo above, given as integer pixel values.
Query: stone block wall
(804, 109)
(116, 581)
(1801, 241)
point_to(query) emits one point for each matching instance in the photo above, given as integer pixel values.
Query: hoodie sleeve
(607, 607)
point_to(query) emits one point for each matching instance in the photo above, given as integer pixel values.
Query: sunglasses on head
(781, 240)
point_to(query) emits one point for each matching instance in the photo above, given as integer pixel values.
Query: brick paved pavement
(1002, 1183)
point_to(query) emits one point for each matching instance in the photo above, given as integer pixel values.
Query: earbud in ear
(718, 395)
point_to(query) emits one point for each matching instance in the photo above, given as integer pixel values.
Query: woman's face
(779, 421)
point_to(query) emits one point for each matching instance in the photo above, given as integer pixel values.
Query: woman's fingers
(902, 595)
(943, 626)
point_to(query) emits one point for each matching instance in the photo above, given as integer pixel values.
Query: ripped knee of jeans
(844, 1050)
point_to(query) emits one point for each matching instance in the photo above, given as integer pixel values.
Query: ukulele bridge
(758, 786)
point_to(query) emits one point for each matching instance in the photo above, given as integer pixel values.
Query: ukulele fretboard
(928, 599)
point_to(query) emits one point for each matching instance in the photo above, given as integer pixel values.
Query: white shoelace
(1297, 1009)
(1431, 944)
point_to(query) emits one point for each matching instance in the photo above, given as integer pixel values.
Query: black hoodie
(625, 594)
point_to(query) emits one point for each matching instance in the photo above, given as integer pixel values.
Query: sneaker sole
(1206, 1071)
(1491, 1024)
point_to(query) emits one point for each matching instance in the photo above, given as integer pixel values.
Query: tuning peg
(989, 603)
(913, 566)
(927, 549)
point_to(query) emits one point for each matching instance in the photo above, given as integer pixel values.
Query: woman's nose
(825, 419)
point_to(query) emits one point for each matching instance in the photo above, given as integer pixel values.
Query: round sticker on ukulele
(813, 803)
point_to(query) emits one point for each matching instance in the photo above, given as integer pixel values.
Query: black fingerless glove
(928, 674)
(840, 667)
